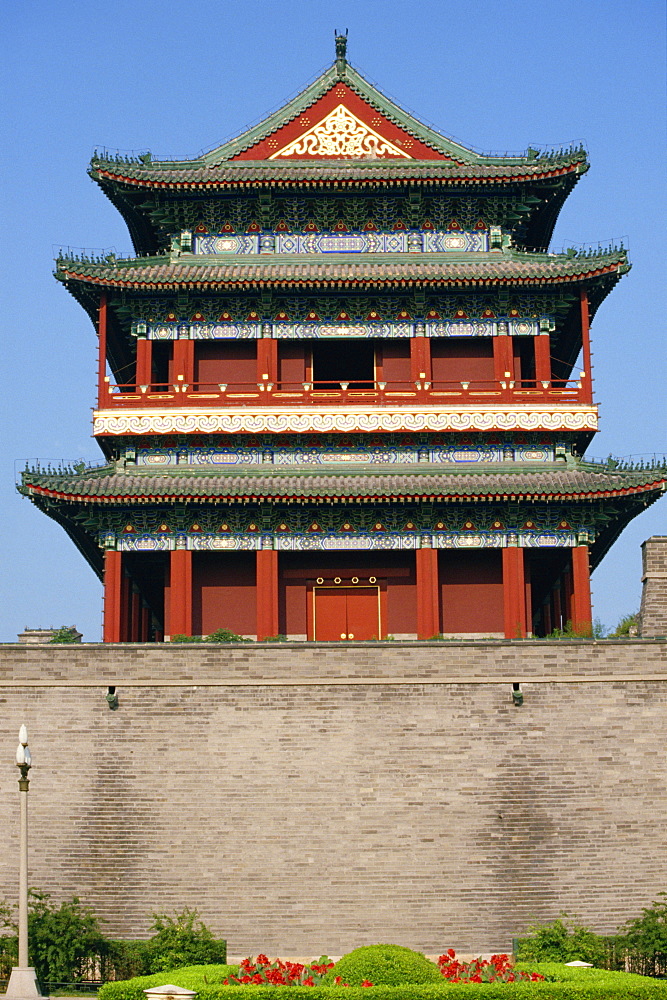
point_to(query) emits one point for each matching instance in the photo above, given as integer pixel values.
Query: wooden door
(341, 613)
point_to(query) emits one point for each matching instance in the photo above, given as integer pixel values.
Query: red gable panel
(340, 125)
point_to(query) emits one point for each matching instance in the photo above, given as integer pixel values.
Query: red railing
(380, 393)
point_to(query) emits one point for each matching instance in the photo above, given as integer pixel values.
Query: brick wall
(308, 799)
(653, 611)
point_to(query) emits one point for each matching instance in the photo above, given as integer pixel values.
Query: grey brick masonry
(309, 798)
(653, 612)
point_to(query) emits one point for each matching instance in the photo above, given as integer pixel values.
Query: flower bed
(560, 982)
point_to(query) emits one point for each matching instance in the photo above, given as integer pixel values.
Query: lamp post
(23, 982)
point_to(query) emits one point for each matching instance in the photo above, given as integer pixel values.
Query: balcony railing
(354, 393)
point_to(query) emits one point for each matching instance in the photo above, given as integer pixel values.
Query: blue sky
(179, 78)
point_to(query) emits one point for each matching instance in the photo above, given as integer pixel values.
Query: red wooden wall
(223, 585)
(471, 591)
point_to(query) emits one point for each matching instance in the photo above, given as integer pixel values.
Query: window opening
(336, 361)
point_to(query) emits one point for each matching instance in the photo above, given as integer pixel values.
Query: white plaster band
(274, 420)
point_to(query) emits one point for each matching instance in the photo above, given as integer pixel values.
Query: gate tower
(344, 387)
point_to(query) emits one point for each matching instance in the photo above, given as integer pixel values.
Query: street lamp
(23, 981)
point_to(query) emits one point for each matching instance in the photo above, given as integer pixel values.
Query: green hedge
(579, 984)
(193, 977)
(388, 964)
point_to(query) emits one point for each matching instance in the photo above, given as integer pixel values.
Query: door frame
(341, 584)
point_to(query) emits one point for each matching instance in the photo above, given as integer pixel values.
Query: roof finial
(341, 50)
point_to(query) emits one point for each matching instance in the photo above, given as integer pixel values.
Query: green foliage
(62, 938)
(220, 635)
(124, 959)
(562, 942)
(224, 635)
(182, 940)
(276, 638)
(573, 984)
(626, 623)
(192, 977)
(589, 630)
(65, 633)
(9, 942)
(591, 984)
(384, 964)
(647, 934)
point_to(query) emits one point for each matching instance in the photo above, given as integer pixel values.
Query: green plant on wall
(220, 635)
(65, 633)
(625, 625)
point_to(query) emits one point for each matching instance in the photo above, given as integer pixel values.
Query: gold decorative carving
(341, 133)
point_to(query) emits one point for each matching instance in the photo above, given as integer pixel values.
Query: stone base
(22, 984)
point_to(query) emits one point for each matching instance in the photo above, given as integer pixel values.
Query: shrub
(646, 936)
(182, 940)
(220, 635)
(386, 964)
(575, 984)
(561, 942)
(587, 630)
(63, 939)
(66, 633)
(194, 977)
(124, 959)
(625, 624)
(224, 635)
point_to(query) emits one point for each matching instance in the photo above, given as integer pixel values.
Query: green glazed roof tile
(488, 268)
(108, 486)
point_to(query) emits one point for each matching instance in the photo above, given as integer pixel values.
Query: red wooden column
(586, 345)
(125, 608)
(183, 362)
(542, 358)
(428, 603)
(267, 593)
(144, 362)
(180, 592)
(102, 389)
(566, 590)
(514, 593)
(420, 359)
(582, 611)
(113, 577)
(503, 358)
(267, 362)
